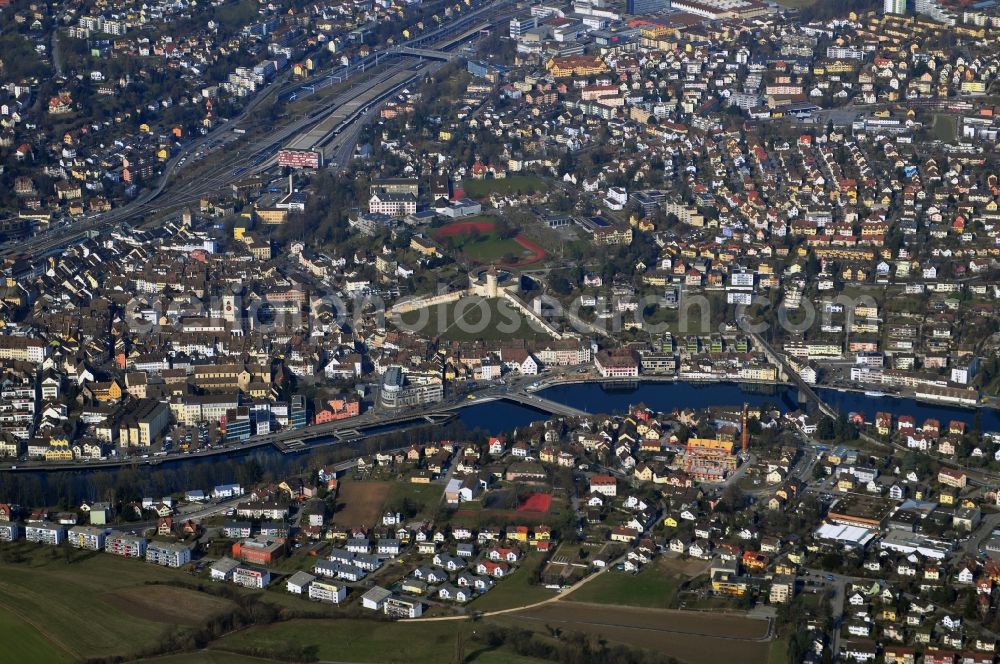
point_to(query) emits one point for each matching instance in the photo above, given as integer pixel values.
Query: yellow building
(59, 449)
(259, 249)
(727, 583)
(655, 29)
(519, 534)
(643, 473)
(713, 444)
(575, 65)
(613, 235)
(423, 245)
(145, 420)
(839, 67)
(761, 372)
(271, 216)
(103, 392)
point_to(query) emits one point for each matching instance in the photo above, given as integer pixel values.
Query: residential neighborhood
(644, 331)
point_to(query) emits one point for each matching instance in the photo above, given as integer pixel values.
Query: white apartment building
(250, 577)
(327, 591)
(45, 533)
(168, 554)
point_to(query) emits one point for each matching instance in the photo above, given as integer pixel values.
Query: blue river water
(500, 416)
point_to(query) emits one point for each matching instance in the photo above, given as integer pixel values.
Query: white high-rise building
(937, 11)
(895, 6)
(520, 25)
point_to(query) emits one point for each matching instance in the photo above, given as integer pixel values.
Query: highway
(240, 165)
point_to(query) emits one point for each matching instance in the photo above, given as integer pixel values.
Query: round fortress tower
(492, 282)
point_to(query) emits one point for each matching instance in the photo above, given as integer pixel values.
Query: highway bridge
(431, 53)
(547, 405)
(805, 389)
(525, 399)
(349, 431)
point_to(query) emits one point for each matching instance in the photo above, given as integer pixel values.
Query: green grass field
(490, 320)
(475, 238)
(944, 128)
(68, 599)
(98, 604)
(351, 640)
(689, 636)
(488, 248)
(513, 184)
(424, 497)
(516, 589)
(778, 651)
(207, 657)
(24, 643)
(480, 240)
(651, 587)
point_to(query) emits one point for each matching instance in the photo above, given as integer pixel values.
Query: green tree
(826, 429)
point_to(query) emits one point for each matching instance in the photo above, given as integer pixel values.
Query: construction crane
(745, 432)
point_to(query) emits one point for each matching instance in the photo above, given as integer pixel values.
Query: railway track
(260, 156)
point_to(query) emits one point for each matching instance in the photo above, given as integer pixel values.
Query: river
(500, 416)
(493, 417)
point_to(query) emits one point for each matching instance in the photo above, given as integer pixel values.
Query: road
(768, 636)
(55, 53)
(342, 432)
(839, 586)
(328, 431)
(205, 511)
(196, 513)
(974, 543)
